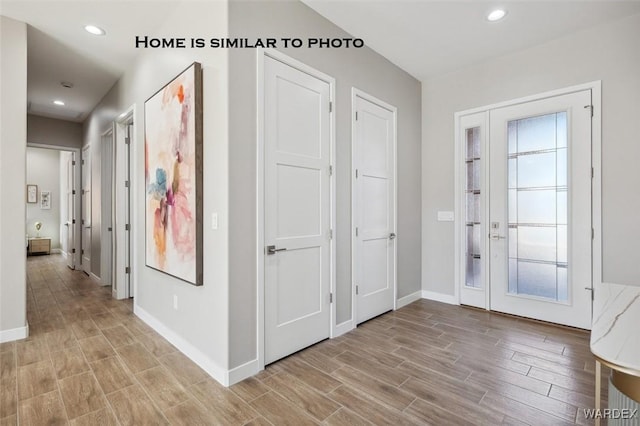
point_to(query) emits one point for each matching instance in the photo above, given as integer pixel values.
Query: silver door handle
(497, 237)
(392, 236)
(274, 250)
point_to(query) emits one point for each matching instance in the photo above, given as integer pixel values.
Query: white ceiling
(425, 37)
(59, 49)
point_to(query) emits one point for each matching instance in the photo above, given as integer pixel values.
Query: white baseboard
(64, 253)
(56, 251)
(342, 328)
(14, 334)
(96, 279)
(241, 372)
(439, 297)
(193, 353)
(410, 298)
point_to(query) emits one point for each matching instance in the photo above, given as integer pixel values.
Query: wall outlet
(175, 302)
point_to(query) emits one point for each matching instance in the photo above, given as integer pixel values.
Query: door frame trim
(262, 54)
(596, 182)
(357, 93)
(78, 188)
(119, 219)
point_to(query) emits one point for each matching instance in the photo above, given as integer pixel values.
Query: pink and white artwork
(173, 177)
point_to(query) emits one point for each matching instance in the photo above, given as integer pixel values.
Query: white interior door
(297, 209)
(86, 210)
(106, 179)
(539, 222)
(374, 192)
(472, 190)
(69, 220)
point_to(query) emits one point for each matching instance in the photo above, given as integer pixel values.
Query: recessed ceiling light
(94, 30)
(496, 15)
(58, 102)
(66, 84)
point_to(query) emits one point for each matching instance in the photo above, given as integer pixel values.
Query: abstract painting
(173, 177)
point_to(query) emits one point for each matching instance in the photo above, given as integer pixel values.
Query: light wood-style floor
(90, 361)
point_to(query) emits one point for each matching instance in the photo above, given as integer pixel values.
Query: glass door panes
(473, 213)
(537, 204)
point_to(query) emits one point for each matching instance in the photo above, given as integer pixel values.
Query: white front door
(297, 209)
(69, 221)
(539, 224)
(86, 210)
(374, 207)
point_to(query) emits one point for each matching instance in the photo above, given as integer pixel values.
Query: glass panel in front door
(473, 213)
(537, 206)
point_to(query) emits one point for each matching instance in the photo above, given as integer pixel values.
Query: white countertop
(615, 332)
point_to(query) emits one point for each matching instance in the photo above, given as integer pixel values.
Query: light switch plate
(446, 217)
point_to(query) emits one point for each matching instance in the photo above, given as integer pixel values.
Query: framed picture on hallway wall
(32, 194)
(173, 177)
(45, 200)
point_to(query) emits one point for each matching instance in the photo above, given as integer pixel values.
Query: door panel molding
(262, 54)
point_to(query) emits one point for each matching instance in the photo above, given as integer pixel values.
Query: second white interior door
(297, 209)
(374, 207)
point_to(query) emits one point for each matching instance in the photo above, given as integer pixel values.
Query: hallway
(90, 361)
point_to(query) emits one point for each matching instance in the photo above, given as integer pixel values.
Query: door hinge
(73, 250)
(357, 290)
(330, 297)
(126, 183)
(592, 173)
(127, 270)
(356, 231)
(82, 251)
(73, 192)
(127, 227)
(356, 173)
(127, 140)
(83, 221)
(590, 109)
(331, 234)
(73, 221)
(593, 233)
(330, 170)
(73, 163)
(356, 115)
(330, 107)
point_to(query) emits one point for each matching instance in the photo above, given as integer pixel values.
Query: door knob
(274, 250)
(392, 235)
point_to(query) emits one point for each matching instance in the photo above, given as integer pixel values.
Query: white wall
(13, 142)
(43, 169)
(609, 53)
(51, 131)
(201, 320)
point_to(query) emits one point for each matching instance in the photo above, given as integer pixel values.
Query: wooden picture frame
(173, 177)
(32, 194)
